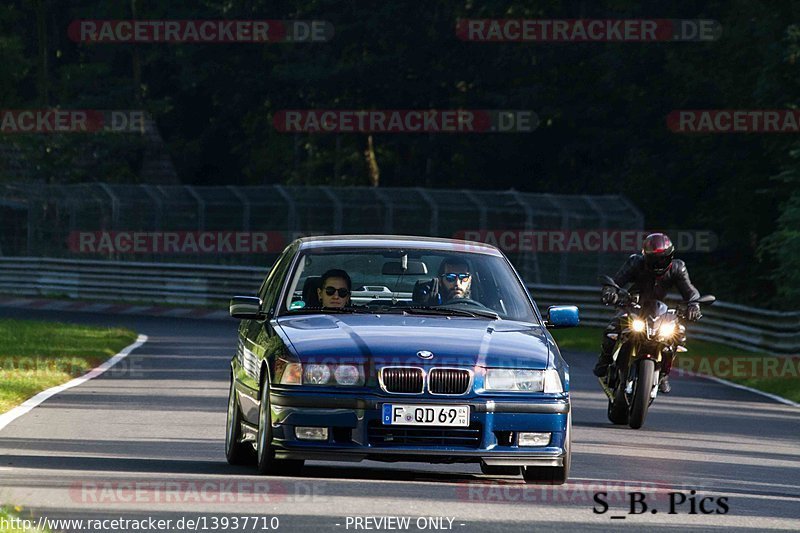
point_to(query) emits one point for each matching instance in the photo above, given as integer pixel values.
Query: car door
(257, 337)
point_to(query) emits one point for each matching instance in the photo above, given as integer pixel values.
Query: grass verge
(35, 356)
(769, 373)
(12, 521)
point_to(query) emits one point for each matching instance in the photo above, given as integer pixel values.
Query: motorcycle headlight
(666, 330)
(638, 325)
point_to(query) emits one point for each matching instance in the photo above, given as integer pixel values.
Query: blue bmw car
(440, 355)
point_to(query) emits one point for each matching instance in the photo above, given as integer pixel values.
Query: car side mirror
(562, 316)
(246, 308)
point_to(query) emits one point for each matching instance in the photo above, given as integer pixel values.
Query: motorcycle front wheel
(642, 388)
(618, 408)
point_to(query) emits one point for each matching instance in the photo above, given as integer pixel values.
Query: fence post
(434, 229)
(114, 205)
(245, 203)
(201, 207)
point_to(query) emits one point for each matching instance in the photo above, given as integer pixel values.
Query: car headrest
(310, 287)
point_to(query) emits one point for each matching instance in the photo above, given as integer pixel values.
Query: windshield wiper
(477, 313)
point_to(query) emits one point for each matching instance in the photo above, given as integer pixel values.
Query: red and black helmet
(658, 252)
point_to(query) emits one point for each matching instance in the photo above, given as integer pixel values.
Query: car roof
(396, 241)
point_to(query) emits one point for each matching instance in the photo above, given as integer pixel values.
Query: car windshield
(423, 282)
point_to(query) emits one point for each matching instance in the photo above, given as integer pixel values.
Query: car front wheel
(236, 452)
(266, 462)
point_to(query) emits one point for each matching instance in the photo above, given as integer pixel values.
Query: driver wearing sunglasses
(334, 289)
(455, 278)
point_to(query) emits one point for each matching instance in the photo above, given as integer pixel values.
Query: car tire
(237, 453)
(552, 475)
(491, 470)
(266, 464)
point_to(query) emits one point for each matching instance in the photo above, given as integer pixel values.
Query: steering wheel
(464, 301)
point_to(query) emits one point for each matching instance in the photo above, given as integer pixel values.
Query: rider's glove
(610, 296)
(433, 294)
(693, 312)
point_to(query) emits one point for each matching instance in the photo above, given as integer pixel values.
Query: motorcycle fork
(617, 369)
(631, 371)
(633, 374)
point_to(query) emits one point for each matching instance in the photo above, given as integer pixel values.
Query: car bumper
(356, 432)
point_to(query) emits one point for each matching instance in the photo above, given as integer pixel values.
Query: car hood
(396, 339)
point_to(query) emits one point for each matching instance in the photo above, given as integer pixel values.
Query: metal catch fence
(213, 285)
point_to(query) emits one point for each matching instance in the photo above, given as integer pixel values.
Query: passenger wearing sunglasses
(455, 279)
(334, 288)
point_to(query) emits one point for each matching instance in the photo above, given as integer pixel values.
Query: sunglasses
(451, 277)
(343, 293)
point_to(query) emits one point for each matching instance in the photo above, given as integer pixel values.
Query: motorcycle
(651, 337)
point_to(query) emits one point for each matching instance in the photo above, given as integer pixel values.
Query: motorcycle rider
(652, 273)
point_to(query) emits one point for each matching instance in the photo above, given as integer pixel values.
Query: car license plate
(425, 415)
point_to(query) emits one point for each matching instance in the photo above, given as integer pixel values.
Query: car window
(378, 280)
(272, 284)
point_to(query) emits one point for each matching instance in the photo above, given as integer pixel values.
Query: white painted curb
(775, 397)
(18, 411)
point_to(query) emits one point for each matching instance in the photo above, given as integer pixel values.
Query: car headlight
(519, 380)
(320, 374)
(291, 373)
(552, 381)
(347, 375)
(317, 374)
(666, 330)
(638, 325)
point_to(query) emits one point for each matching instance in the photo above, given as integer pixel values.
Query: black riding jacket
(653, 287)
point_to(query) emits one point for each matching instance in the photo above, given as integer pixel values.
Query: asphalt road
(146, 440)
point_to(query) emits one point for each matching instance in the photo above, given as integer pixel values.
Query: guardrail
(744, 327)
(213, 285)
(172, 283)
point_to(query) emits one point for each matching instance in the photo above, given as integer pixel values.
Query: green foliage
(35, 356)
(602, 106)
(782, 247)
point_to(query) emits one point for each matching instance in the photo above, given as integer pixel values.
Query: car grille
(387, 436)
(405, 380)
(448, 381)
